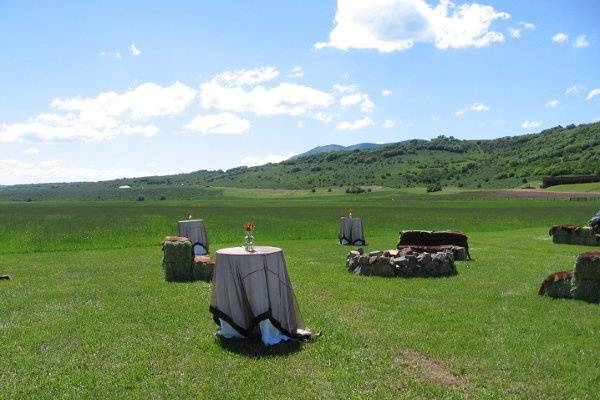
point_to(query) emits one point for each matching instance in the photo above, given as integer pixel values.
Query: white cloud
(366, 105)
(393, 25)
(581, 42)
(386, 92)
(246, 76)
(389, 124)
(475, 107)
(32, 151)
(324, 117)
(297, 72)
(300, 124)
(103, 117)
(112, 54)
(146, 100)
(574, 89)
(134, 50)
(552, 103)
(593, 93)
(530, 124)
(358, 124)
(344, 88)
(253, 161)
(18, 172)
(516, 31)
(223, 123)
(286, 98)
(560, 37)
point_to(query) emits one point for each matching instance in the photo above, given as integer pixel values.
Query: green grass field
(576, 187)
(88, 314)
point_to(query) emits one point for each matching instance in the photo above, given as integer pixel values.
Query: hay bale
(587, 266)
(557, 285)
(203, 268)
(586, 290)
(177, 259)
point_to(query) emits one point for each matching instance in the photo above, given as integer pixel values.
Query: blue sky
(98, 91)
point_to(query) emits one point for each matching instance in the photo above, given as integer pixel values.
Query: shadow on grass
(254, 347)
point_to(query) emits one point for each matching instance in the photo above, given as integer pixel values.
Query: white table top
(240, 251)
(189, 220)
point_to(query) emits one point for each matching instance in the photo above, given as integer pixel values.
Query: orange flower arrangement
(350, 211)
(189, 214)
(249, 226)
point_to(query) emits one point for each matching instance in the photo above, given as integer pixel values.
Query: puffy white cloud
(286, 98)
(358, 124)
(574, 89)
(560, 37)
(224, 123)
(253, 161)
(247, 76)
(593, 93)
(297, 72)
(344, 88)
(516, 31)
(581, 42)
(103, 117)
(134, 50)
(530, 124)
(389, 124)
(324, 117)
(386, 92)
(552, 103)
(18, 172)
(146, 100)
(112, 54)
(366, 105)
(32, 151)
(475, 107)
(393, 25)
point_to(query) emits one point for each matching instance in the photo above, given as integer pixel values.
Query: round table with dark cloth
(194, 230)
(250, 289)
(351, 231)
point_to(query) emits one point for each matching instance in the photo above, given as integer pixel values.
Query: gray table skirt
(194, 230)
(248, 288)
(351, 231)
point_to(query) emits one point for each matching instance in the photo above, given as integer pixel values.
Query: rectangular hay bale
(588, 266)
(202, 271)
(587, 290)
(177, 260)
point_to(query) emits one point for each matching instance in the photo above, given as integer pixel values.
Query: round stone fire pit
(392, 263)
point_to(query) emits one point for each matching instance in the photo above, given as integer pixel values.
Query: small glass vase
(249, 242)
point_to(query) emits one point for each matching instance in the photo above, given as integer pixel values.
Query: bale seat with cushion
(574, 234)
(586, 277)
(434, 238)
(179, 263)
(557, 285)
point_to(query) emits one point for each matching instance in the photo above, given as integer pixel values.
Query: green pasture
(87, 313)
(576, 187)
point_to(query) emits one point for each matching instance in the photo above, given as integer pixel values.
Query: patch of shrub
(140, 198)
(163, 197)
(434, 187)
(355, 190)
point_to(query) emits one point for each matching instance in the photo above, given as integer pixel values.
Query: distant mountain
(336, 147)
(493, 163)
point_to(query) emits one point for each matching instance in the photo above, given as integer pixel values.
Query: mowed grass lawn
(88, 314)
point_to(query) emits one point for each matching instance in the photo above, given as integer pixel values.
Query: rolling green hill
(498, 163)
